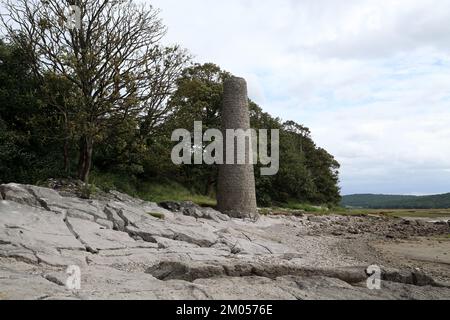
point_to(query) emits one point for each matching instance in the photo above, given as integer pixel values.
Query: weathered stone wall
(236, 195)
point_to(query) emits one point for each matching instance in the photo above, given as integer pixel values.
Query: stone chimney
(236, 194)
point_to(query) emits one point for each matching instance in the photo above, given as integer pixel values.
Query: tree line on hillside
(106, 98)
(378, 201)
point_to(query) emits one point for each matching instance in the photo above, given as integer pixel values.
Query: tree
(198, 98)
(307, 173)
(315, 171)
(114, 61)
(29, 129)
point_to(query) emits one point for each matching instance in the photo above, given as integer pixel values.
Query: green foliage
(172, 191)
(41, 130)
(307, 173)
(304, 207)
(397, 213)
(87, 191)
(374, 201)
(198, 98)
(156, 191)
(115, 181)
(27, 151)
(264, 211)
(294, 209)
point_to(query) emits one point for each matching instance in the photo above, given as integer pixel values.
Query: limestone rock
(190, 209)
(30, 232)
(17, 193)
(124, 251)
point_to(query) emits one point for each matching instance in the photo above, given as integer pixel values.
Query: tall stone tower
(236, 194)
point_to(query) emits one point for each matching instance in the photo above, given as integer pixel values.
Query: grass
(149, 191)
(156, 192)
(291, 205)
(172, 191)
(264, 211)
(296, 208)
(160, 216)
(419, 213)
(110, 181)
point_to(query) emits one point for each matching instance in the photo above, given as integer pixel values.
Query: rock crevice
(128, 248)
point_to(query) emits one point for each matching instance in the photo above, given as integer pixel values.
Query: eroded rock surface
(127, 248)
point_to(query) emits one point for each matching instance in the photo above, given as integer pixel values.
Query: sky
(371, 79)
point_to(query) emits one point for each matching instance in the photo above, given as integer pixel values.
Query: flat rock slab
(102, 282)
(22, 286)
(128, 248)
(33, 234)
(96, 237)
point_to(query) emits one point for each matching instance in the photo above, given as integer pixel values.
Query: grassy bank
(172, 191)
(305, 208)
(149, 191)
(413, 213)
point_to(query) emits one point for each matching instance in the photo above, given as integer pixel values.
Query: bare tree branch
(115, 60)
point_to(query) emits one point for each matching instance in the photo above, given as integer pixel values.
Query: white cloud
(371, 79)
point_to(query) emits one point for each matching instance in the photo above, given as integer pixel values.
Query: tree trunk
(81, 157)
(85, 160)
(66, 157)
(210, 183)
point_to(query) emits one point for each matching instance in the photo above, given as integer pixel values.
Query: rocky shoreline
(127, 248)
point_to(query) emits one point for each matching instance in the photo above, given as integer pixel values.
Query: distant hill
(379, 201)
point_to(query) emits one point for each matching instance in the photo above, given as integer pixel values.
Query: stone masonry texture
(236, 195)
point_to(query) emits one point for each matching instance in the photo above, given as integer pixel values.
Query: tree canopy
(107, 96)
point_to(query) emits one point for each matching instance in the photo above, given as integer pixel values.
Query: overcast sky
(371, 79)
